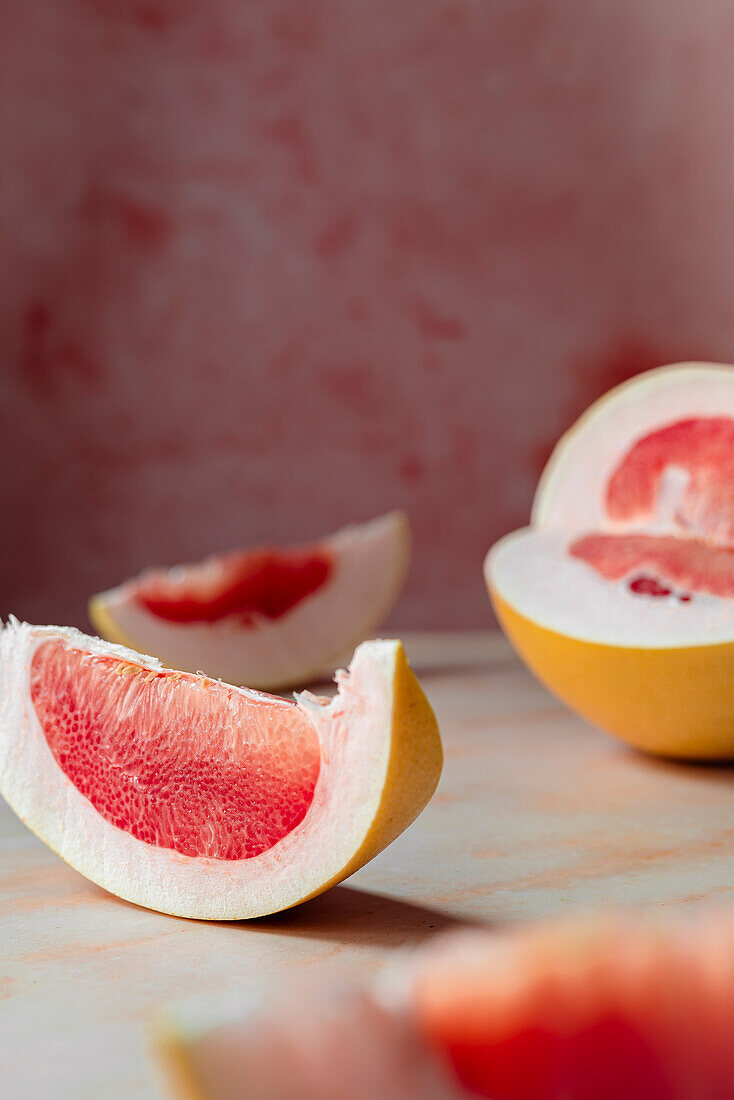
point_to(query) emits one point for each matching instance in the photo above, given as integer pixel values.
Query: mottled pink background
(269, 267)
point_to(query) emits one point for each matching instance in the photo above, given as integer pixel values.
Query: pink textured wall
(269, 267)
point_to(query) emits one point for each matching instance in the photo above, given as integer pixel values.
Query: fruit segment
(264, 617)
(656, 565)
(620, 595)
(703, 449)
(175, 760)
(256, 584)
(198, 798)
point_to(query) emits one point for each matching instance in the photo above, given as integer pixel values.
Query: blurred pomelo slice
(189, 796)
(603, 1009)
(264, 617)
(310, 1041)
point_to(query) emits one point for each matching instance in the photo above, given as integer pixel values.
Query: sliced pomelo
(620, 595)
(606, 1008)
(265, 617)
(190, 796)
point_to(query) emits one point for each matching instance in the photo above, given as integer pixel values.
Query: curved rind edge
(413, 771)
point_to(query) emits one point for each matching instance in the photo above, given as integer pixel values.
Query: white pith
(533, 572)
(370, 564)
(355, 734)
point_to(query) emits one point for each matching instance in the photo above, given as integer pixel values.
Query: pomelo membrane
(620, 595)
(198, 798)
(266, 617)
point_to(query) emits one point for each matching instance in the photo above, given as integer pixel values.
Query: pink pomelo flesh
(704, 447)
(176, 760)
(685, 563)
(527, 1066)
(250, 585)
(538, 1063)
(701, 557)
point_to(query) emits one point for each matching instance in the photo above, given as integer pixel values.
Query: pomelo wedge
(263, 617)
(602, 1008)
(620, 594)
(192, 797)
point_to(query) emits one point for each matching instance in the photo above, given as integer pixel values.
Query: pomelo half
(192, 797)
(620, 594)
(264, 617)
(603, 1008)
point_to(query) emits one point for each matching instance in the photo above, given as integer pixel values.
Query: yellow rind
(672, 701)
(172, 1050)
(414, 768)
(413, 772)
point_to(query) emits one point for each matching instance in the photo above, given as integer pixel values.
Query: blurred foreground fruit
(606, 1009)
(615, 1009)
(189, 796)
(264, 617)
(620, 595)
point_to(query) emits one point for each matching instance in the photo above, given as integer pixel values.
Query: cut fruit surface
(266, 617)
(620, 595)
(703, 448)
(257, 584)
(688, 563)
(179, 762)
(194, 797)
(604, 1008)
